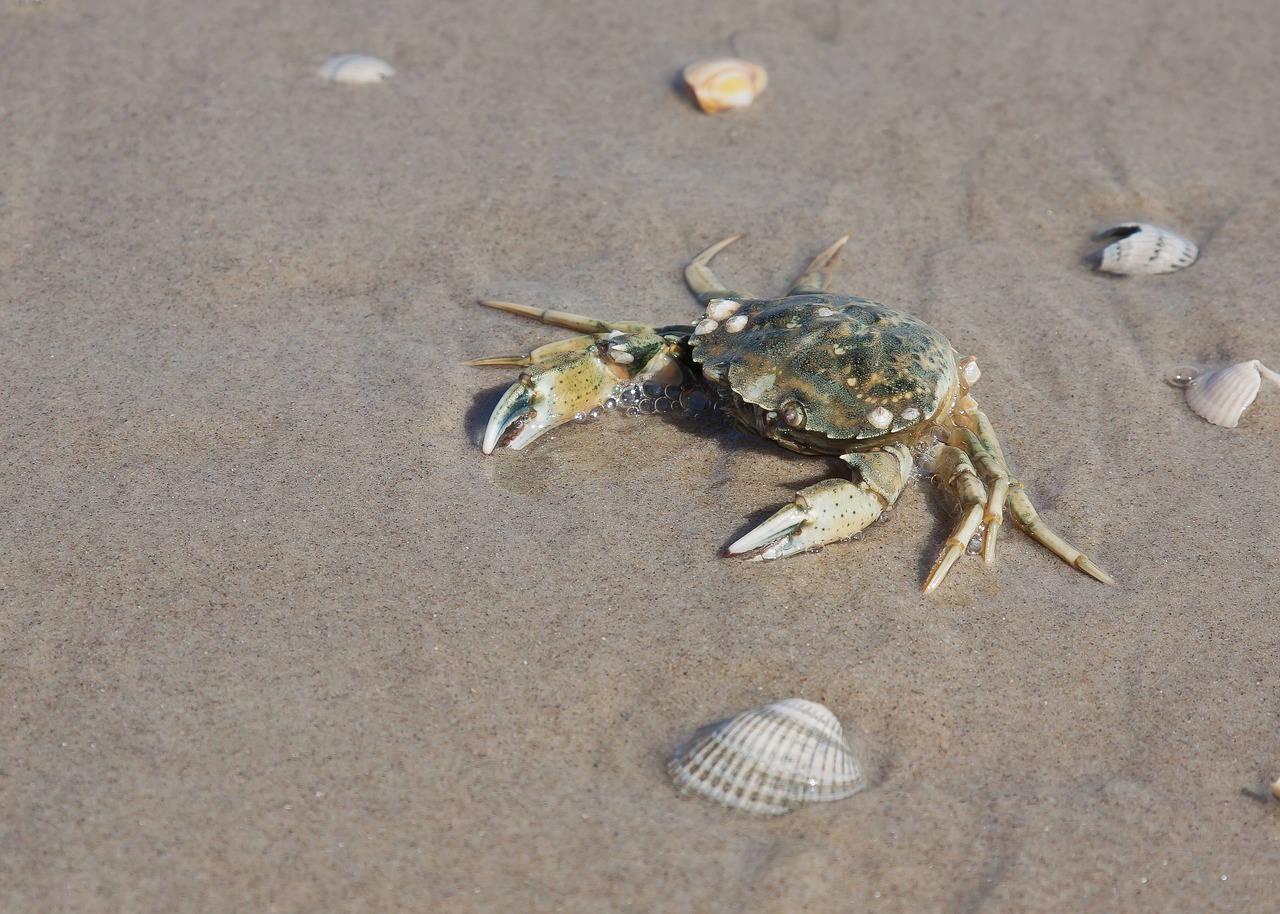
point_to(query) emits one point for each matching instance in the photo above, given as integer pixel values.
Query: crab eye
(793, 414)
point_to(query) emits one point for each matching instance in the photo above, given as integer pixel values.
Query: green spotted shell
(825, 374)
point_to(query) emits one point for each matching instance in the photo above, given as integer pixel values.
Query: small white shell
(880, 417)
(725, 82)
(770, 759)
(1222, 396)
(356, 69)
(1139, 248)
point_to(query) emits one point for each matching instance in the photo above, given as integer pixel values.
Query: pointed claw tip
(1093, 570)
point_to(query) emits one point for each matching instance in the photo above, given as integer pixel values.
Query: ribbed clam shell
(356, 69)
(1222, 396)
(1139, 248)
(770, 759)
(725, 82)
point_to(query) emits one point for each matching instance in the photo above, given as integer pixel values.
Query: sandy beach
(277, 636)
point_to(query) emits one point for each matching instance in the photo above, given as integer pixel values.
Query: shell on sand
(1222, 396)
(356, 69)
(770, 759)
(1137, 248)
(723, 83)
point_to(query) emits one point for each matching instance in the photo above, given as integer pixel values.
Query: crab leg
(995, 474)
(579, 322)
(955, 471)
(702, 281)
(831, 510)
(980, 441)
(1024, 514)
(815, 278)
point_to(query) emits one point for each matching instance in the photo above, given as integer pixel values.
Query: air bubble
(1185, 375)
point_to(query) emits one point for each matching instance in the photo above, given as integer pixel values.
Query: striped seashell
(770, 759)
(1222, 396)
(724, 83)
(1139, 249)
(356, 69)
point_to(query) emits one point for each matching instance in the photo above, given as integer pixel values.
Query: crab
(817, 373)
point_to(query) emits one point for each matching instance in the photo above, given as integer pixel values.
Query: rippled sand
(276, 636)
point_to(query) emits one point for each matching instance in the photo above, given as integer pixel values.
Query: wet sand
(277, 637)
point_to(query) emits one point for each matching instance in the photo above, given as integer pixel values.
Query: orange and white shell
(723, 83)
(770, 759)
(1222, 396)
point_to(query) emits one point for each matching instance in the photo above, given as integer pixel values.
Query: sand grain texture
(275, 636)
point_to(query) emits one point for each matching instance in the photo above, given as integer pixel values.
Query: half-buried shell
(1137, 248)
(356, 69)
(724, 83)
(770, 759)
(1222, 396)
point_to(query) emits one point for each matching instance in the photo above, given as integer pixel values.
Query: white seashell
(770, 759)
(1275, 788)
(1139, 248)
(356, 69)
(723, 83)
(1222, 396)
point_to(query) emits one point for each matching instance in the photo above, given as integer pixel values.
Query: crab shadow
(477, 417)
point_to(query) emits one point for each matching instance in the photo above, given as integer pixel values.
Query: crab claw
(824, 513)
(548, 394)
(565, 385)
(831, 510)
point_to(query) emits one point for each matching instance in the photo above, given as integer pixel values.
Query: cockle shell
(1139, 248)
(725, 82)
(1222, 396)
(356, 69)
(770, 759)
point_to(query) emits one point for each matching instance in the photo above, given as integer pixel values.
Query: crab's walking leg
(833, 509)
(1024, 513)
(579, 322)
(988, 461)
(815, 278)
(702, 281)
(953, 469)
(989, 457)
